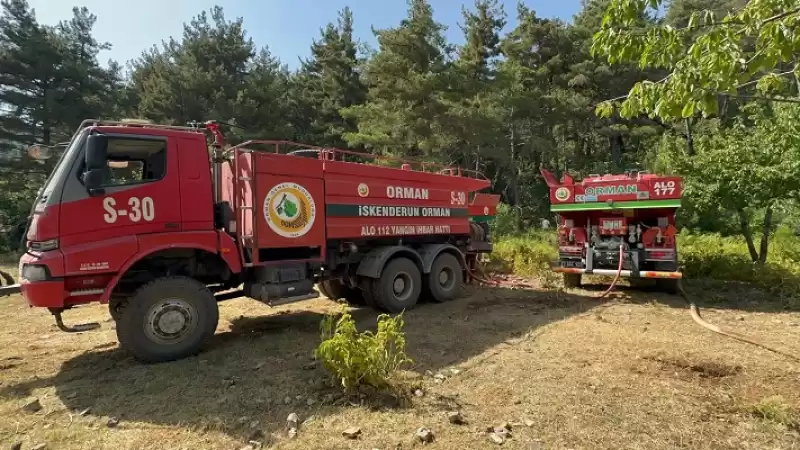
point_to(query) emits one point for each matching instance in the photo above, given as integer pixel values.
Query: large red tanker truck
(617, 225)
(162, 222)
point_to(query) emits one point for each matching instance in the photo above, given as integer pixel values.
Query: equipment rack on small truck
(162, 222)
(617, 225)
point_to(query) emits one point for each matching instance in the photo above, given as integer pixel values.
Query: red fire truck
(617, 225)
(162, 222)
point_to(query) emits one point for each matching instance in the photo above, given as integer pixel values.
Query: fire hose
(693, 309)
(481, 277)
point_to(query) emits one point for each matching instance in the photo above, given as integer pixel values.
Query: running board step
(296, 298)
(275, 302)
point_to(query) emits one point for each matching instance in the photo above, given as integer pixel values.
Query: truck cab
(112, 187)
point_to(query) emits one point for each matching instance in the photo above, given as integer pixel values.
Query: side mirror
(96, 152)
(39, 152)
(93, 180)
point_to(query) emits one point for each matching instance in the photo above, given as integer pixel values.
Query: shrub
(527, 254)
(357, 359)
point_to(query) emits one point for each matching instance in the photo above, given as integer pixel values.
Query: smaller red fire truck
(162, 222)
(617, 225)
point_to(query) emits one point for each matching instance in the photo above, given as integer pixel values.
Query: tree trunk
(615, 150)
(689, 138)
(744, 223)
(515, 193)
(763, 251)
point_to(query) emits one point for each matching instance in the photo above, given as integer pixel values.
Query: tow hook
(74, 329)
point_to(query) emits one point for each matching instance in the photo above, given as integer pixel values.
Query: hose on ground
(616, 277)
(693, 309)
(695, 312)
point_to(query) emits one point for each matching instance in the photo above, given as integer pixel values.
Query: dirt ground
(567, 371)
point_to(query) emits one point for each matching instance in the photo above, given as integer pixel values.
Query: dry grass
(632, 373)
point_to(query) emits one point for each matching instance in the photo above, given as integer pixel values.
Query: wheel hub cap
(446, 278)
(170, 321)
(399, 285)
(402, 286)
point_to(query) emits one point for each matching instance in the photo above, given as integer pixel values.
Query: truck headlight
(35, 272)
(43, 246)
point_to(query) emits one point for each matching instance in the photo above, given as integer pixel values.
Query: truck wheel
(445, 280)
(168, 319)
(336, 289)
(323, 289)
(399, 286)
(572, 280)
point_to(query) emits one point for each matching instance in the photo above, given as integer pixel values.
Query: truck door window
(133, 161)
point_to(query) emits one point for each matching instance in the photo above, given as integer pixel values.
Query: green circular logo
(562, 194)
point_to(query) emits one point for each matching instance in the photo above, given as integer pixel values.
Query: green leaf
(688, 110)
(710, 104)
(604, 110)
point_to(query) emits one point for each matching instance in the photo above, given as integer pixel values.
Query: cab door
(140, 195)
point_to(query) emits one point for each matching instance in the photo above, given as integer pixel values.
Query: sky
(286, 26)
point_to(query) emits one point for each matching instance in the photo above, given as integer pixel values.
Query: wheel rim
(170, 321)
(447, 278)
(402, 286)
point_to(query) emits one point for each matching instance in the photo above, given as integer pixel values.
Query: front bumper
(49, 292)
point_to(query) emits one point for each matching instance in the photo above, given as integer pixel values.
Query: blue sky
(287, 26)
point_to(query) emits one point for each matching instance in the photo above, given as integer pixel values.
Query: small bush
(358, 359)
(529, 254)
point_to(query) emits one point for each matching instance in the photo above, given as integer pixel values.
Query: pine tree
(330, 81)
(31, 75)
(404, 80)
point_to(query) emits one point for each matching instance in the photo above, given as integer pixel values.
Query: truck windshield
(61, 168)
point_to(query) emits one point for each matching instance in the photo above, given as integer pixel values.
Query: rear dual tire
(445, 280)
(398, 287)
(402, 284)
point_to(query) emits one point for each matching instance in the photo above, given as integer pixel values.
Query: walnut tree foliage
(708, 57)
(744, 53)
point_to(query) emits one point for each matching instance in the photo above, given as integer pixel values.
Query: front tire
(168, 319)
(445, 280)
(398, 287)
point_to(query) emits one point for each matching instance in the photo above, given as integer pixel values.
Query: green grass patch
(776, 411)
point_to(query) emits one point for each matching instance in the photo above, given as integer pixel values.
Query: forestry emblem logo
(562, 194)
(289, 210)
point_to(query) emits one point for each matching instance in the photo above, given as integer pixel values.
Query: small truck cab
(162, 222)
(617, 225)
